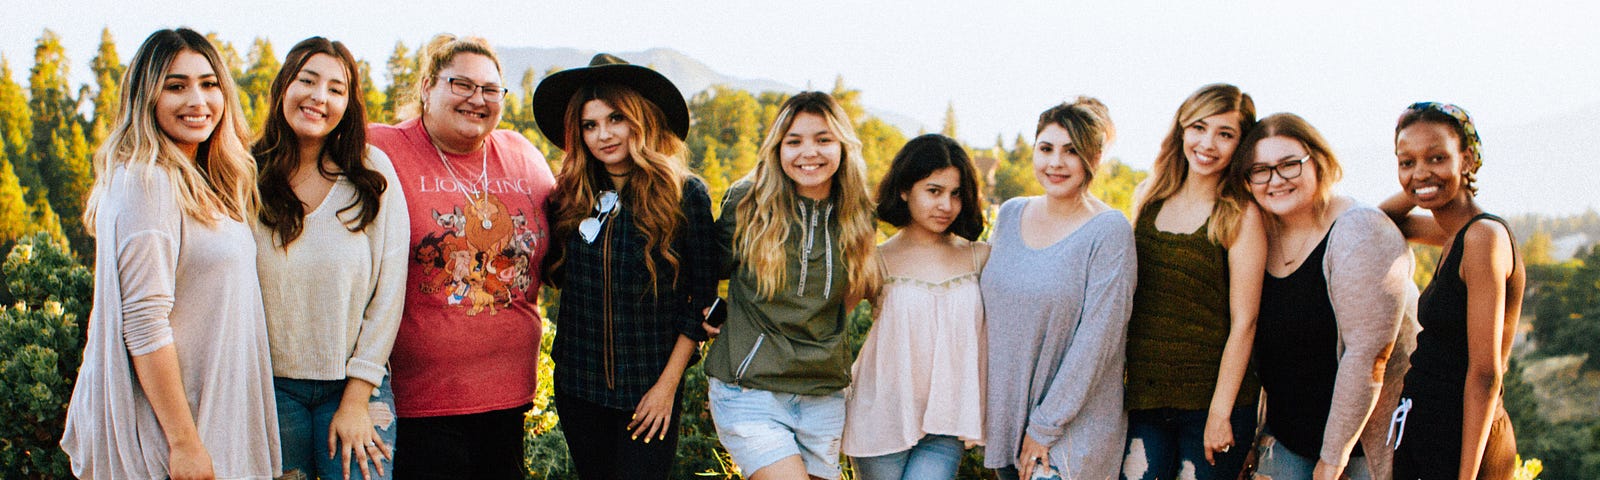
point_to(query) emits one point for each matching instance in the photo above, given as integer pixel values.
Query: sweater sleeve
(1097, 344)
(391, 236)
(700, 259)
(149, 231)
(1367, 266)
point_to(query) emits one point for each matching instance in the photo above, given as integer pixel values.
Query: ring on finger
(1226, 447)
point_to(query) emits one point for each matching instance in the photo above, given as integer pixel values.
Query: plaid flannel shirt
(614, 335)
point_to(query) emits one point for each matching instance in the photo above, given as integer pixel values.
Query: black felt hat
(555, 91)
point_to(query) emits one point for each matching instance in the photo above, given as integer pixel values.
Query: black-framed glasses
(465, 88)
(1262, 174)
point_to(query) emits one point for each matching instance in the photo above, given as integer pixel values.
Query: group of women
(306, 302)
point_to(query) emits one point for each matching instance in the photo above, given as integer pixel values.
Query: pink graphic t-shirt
(469, 336)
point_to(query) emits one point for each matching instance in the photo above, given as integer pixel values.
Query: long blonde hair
(1172, 169)
(220, 179)
(437, 54)
(764, 216)
(653, 195)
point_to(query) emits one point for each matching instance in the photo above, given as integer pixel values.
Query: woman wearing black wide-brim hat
(633, 254)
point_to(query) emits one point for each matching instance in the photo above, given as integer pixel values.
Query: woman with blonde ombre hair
(1191, 395)
(465, 363)
(176, 379)
(800, 252)
(1336, 323)
(633, 254)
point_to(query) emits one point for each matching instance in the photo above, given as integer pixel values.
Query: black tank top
(1439, 364)
(1297, 354)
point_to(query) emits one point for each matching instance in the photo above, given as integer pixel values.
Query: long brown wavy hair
(277, 152)
(766, 213)
(1172, 169)
(653, 193)
(220, 179)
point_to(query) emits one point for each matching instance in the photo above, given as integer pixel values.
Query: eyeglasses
(465, 88)
(1262, 174)
(589, 228)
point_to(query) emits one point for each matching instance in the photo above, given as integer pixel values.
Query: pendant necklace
(483, 178)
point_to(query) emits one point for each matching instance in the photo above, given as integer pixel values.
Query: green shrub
(41, 345)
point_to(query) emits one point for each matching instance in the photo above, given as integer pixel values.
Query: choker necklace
(486, 221)
(619, 175)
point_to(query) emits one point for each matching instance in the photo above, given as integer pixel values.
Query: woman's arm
(390, 234)
(163, 387)
(654, 412)
(1416, 227)
(148, 233)
(1098, 343)
(1486, 263)
(1368, 272)
(1247, 262)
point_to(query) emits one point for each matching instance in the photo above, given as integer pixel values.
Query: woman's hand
(651, 417)
(1219, 435)
(190, 462)
(351, 434)
(1033, 456)
(1324, 471)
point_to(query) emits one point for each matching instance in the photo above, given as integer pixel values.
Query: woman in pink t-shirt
(467, 352)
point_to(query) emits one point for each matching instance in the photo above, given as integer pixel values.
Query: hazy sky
(1347, 67)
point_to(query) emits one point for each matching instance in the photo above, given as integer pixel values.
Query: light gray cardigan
(1368, 269)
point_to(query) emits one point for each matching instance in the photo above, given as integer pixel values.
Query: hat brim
(553, 94)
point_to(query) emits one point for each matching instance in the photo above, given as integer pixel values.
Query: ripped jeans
(1168, 443)
(305, 409)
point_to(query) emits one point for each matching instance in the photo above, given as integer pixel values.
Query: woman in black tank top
(1451, 422)
(1332, 301)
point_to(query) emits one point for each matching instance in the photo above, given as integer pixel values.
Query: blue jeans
(305, 409)
(1011, 473)
(1278, 463)
(933, 457)
(1168, 443)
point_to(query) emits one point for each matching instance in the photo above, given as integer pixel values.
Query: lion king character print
(478, 256)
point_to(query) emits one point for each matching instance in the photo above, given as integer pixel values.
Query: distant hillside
(1556, 156)
(690, 75)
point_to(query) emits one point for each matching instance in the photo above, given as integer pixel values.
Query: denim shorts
(760, 427)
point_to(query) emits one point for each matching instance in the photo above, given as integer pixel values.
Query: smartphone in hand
(718, 313)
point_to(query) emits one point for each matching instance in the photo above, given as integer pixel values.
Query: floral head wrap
(1460, 114)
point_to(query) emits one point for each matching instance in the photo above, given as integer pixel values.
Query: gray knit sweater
(1058, 319)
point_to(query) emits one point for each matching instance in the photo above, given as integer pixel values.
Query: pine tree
(16, 121)
(70, 178)
(949, 128)
(50, 100)
(850, 99)
(255, 86)
(230, 56)
(715, 175)
(108, 70)
(15, 217)
(45, 219)
(377, 102)
(402, 74)
(1537, 250)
